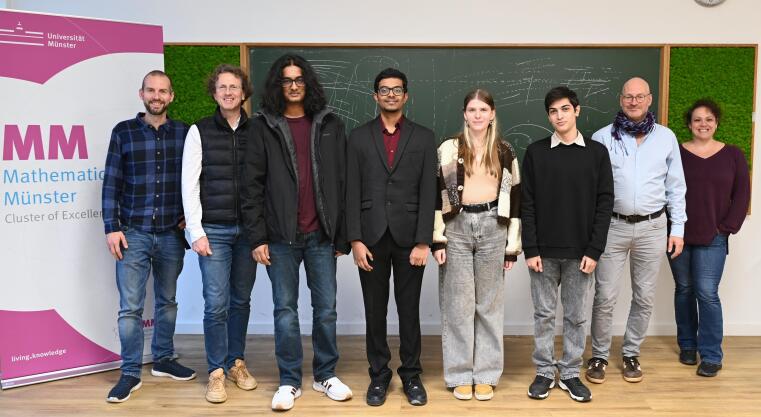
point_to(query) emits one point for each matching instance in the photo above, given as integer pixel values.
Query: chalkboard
(440, 77)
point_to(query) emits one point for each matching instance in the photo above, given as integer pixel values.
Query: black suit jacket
(400, 198)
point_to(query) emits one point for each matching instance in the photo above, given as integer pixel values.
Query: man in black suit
(391, 192)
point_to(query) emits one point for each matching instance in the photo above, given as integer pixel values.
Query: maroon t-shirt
(301, 129)
(391, 141)
(718, 193)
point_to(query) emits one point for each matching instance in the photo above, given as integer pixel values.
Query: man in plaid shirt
(143, 217)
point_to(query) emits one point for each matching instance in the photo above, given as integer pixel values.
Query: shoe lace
(574, 383)
(631, 362)
(597, 363)
(216, 383)
(241, 372)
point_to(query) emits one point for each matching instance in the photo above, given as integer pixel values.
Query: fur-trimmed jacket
(451, 180)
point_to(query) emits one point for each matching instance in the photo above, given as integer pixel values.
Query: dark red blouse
(718, 194)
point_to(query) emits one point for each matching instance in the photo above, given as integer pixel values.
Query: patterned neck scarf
(623, 123)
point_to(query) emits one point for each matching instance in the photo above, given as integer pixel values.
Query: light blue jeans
(228, 277)
(163, 253)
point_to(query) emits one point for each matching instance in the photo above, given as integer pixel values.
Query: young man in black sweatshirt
(566, 206)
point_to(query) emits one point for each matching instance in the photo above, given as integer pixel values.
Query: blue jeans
(228, 276)
(320, 264)
(697, 307)
(163, 252)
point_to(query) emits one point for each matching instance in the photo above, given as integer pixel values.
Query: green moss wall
(723, 74)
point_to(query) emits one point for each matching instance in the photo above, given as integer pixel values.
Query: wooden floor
(668, 389)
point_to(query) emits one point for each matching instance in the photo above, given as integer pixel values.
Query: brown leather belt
(636, 218)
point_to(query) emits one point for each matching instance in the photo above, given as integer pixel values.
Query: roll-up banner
(64, 83)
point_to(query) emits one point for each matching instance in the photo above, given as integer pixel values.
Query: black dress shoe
(708, 369)
(415, 391)
(376, 393)
(688, 357)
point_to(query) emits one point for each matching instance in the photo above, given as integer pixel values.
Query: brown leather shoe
(240, 375)
(632, 370)
(215, 390)
(596, 370)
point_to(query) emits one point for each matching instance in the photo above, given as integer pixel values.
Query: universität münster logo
(20, 36)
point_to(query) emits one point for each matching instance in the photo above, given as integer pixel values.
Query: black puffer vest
(221, 167)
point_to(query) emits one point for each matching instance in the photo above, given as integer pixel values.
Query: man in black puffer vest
(211, 183)
(293, 206)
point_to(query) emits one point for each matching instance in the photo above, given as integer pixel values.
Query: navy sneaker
(708, 369)
(688, 357)
(122, 390)
(540, 388)
(576, 389)
(171, 368)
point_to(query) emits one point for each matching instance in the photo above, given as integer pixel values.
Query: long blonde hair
(465, 142)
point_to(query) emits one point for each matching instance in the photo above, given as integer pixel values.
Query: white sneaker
(285, 397)
(333, 388)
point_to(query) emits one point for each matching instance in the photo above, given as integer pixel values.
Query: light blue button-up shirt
(649, 176)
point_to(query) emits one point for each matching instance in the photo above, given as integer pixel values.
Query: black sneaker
(376, 392)
(688, 357)
(576, 389)
(708, 369)
(540, 388)
(171, 368)
(596, 370)
(415, 391)
(121, 391)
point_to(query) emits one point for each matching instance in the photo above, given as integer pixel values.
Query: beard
(161, 110)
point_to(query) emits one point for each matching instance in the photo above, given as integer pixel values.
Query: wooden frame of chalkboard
(664, 73)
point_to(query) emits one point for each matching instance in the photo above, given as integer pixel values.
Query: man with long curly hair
(293, 206)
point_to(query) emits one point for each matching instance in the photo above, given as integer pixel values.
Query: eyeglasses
(225, 88)
(287, 82)
(384, 91)
(639, 98)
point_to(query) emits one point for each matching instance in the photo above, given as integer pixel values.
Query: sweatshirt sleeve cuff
(593, 253)
(530, 252)
(438, 246)
(511, 258)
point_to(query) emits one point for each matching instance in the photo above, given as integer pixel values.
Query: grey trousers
(574, 290)
(644, 243)
(471, 297)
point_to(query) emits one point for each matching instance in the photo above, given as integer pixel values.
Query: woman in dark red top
(718, 193)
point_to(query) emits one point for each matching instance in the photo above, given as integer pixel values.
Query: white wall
(447, 21)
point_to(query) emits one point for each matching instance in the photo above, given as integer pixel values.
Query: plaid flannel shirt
(141, 188)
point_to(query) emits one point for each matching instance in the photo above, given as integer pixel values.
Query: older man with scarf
(649, 186)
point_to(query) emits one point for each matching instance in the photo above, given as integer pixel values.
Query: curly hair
(709, 104)
(211, 83)
(273, 100)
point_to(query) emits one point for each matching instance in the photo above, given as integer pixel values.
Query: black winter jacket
(270, 179)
